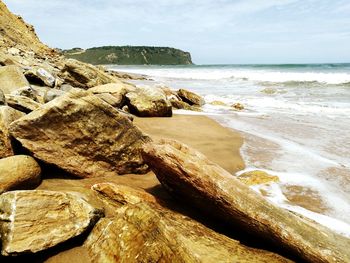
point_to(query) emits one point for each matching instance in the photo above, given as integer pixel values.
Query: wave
(260, 74)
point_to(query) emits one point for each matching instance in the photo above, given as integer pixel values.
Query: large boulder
(35, 220)
(142, 231)
(12, 78)
(85, 76)
(149, 102)
(190, 97)
(2, 98)
(7, 116)
(19, 172)
(189, 175)
(83, 135)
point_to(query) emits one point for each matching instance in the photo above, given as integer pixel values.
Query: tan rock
(28, 92)
(35, 220)
(7, 116)
(40, 76)
(11, 78)
(85, 76)
(179, 104)
(218, 103)
(257, 177)
(114, 101)
(142, 231)
(190, 176)
(118, 88)
(83, 135)
(19, 172)
(22, 103)
(237, 106)
(2, 98)
(148, 102)
(190, 97)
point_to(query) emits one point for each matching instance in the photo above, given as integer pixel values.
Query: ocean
(296, 125)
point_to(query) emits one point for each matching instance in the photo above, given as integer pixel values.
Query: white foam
(252, 74)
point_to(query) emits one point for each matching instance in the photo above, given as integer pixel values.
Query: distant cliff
(130, 55)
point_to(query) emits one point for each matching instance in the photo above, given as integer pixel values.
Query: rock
(189, 175)
(28, 92)
(41, 77)
(83, 135)
(13, 51)
(111, 100)
(190, 97)
(237, 106)
(36, 220)
(85, 76)
(117, 90)
(19, 172)
(2, 98)
(7, 116)
(257, 177)
(218, 103)
(22, 103)
(179, 104)
(52, 94)
(11, 78)
(148, 102)
(142, 231)
(66, 87)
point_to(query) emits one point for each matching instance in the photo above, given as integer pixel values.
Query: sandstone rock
(46, 94)
(190, 97)
(11, 78)
(257, 177)
(111, 100)
(179, 104)
(19, 172)
(22, 103)
(2, 98)
(85, 76)
(142, 231)
(40, 76)
(148, 102)
(190, 176)
(28, 92)
(7, 116)
(83, 135)
(237, 106)
(116, 89)
(218, 103)
(32, 221)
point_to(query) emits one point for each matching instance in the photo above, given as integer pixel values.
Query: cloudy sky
(214, 31)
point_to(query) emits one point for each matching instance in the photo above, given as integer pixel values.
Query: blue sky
(214, 31)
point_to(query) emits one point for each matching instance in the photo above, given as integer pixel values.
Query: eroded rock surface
(83, 135)
(31, 221)
(11, 78)
(22, 103)
(189, 175)
(149, 102)
(190, 97)
(19, 172)
(143, 231)
(7, 116)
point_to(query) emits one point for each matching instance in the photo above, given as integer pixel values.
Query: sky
(213, 31)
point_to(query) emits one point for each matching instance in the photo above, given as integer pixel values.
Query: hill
(130, 55)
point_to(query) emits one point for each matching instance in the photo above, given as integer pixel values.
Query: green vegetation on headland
(130, 55)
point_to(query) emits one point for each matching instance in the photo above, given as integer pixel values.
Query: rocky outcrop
(148, 102)
(2, 98)
(19, 172)
(130, 55)
(7, 116)
(83, 135)
(31, 221)
(11, 78)
(142, 231)
(14, 32)
(190, 97)
(189, 175)
(85, 76)
(22, 103)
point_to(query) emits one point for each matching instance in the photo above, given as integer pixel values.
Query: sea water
(296, 125)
